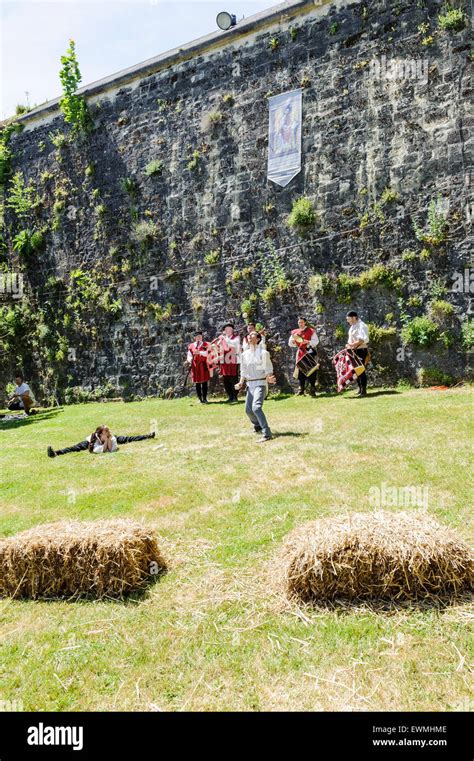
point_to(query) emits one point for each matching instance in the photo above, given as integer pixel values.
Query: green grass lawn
(212, 634)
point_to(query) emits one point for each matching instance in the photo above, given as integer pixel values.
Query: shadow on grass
(29, 419)
(281, 434)
(342, 606)
(371, 394)
(131, 598)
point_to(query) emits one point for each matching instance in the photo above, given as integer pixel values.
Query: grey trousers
(253, 408)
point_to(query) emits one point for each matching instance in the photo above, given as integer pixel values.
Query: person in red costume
(229, 342)
(304, 337)
(197, 357)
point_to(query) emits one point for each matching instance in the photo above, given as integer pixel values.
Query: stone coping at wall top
(285, 12)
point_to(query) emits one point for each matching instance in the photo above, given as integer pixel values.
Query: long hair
(95, 437)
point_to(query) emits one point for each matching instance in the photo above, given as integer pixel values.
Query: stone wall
(147, 244)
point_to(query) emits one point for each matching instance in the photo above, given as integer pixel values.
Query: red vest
(306, 333)
(199, 369)
(228, 360)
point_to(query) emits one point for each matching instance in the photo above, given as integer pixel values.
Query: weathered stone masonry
(362, 134)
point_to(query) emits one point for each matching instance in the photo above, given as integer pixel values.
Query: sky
(110, 35)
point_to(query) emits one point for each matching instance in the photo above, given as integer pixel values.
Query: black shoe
(312, 391)
(51, 452)
(204, 401)
(264, 438)
(152, 435)
(257, 429)
(300, 392)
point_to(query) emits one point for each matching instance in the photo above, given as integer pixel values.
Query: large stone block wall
(362, 134)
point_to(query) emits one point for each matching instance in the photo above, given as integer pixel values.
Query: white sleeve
(268, 364)
(314, 340)
(233, 342)
(364, 333)
(189, 356)
(291, 341)
(263, 343)
(243, 366)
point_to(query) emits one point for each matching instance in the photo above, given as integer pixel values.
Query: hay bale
(381, 555)
(107, 558)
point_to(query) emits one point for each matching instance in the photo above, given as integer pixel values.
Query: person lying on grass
(100, 441)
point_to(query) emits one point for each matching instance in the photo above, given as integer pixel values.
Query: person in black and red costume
(303, 337)
(198, 355)
(229, 347)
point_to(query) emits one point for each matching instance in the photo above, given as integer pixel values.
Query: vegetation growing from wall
(73, 106)
(303, 217)
(436, 230)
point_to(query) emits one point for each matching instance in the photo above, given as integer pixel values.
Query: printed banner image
(284, 136)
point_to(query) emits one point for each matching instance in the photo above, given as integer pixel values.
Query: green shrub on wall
(303, 216)
(436, 230)
(467, 333)
(378, 334)
(154, 168)
(440, 310)
(452, 19)
(431, 376)
(421, 332)
(28, 241)
(378, 275)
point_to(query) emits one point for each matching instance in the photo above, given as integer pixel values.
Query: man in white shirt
(256, 370)
(23, 398)
(358, 341)
(251, 327)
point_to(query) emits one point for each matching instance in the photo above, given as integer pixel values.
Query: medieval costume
(308, 335)
(198, 354)
(229, 362)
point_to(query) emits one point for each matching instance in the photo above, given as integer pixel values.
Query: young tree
(73, 106)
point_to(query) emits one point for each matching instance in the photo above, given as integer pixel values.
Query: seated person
(102, 440)
(23, 398)
(99, 442)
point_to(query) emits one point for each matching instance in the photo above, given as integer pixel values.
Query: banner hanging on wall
(284, 137)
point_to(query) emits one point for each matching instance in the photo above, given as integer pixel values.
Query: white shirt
(255, 365)
(359, 332)
(99, 448)
(19, 390)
